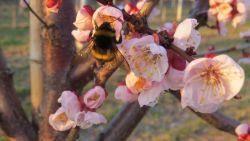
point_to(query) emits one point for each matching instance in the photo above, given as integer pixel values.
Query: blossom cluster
(204, 83)
(78, 110)
(223, 11)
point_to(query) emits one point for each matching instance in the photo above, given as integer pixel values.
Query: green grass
(165, 122)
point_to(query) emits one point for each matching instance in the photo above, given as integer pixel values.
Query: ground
(165, 122)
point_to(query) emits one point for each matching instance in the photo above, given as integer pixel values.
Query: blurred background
(165, 122)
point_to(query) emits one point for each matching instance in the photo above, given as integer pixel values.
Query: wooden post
(179, 10)
(36, 74)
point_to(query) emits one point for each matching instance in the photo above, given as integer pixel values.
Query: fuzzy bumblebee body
(103, 44)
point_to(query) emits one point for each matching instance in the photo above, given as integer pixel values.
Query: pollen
(62, 118)
(94, 97)
(211, 75)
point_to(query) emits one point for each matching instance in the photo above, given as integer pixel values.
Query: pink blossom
(87, 119)
(59, 120)
(186, 35)
(241, 16)
(243, 132)
(94, 97)
(124, 94)
(149, 97)
(169, 27)
(173, 79)
(53, 5)
(145, 58)
(81, 36)
(210, 81)
(84, 18)
(131, 9)
(136, 84)
(111, 15)
(155, 12)
(70, 103)
(242, 129)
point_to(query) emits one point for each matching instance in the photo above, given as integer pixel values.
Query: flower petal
(233, 75)
(122, 93)
(150, 96)
(186, 35)
(70, 104)
(59, 120)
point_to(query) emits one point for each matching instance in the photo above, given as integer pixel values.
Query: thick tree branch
(12, 117)
(58, 51)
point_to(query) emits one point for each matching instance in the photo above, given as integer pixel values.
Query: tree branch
(58, 51)
(216, 119)
(226, 50)
(12, 117)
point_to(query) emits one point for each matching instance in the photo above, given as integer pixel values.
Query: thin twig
(227, 50)
(35, 14)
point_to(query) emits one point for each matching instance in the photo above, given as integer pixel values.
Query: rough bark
(58, 50)
(13, 120)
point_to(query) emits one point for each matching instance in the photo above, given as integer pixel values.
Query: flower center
(62, 118)
(211, 75)
(140, 83)
(94, 97)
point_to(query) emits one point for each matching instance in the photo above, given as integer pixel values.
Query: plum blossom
(243, 132)
(84, 25)
(111, 15)
(81, 36)
(73, 111)
(223, 11)
(210, 81)
(169, 27)
(124, 94)
(145, 58)
(136, 84)
(94, 97)
(186, 35)
(53, 5)
(150, 96)
(136, 88)
(84, 18)
(131, 9)
(155, 12)
(59, 120)
(87, 119)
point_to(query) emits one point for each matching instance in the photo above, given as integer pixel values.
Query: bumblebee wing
(107, 18)
(82, 54)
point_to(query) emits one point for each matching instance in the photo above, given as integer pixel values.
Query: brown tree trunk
(12, 117)
(58, 50)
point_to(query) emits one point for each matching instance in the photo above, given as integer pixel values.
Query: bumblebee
(102, 45)
(103, 42)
